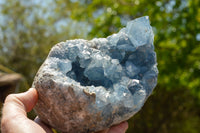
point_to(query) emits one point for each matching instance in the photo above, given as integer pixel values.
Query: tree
(175, 103)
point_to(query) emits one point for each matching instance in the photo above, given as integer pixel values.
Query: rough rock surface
(87, 86)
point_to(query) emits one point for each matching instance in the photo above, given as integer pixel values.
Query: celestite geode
(86, 86)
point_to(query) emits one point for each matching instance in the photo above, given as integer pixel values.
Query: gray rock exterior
(87, 86)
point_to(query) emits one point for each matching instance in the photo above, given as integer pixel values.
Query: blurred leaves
(28, 29)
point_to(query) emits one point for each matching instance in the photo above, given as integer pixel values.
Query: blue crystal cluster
(117, 61)
(119, 71)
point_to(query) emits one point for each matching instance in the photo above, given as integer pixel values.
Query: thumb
(20, 104)
(14, 111)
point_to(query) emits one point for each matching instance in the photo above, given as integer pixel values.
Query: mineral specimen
(87, 86)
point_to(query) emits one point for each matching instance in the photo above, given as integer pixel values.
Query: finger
(121, 128)
(44, 126)
(14, 113)
(20, 104)
(104, 131)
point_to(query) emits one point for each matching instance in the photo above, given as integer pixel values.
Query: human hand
(121, 128)
(14, 116)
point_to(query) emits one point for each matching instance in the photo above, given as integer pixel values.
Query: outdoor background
(29, 28)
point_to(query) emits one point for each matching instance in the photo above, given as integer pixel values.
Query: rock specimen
(86, 86)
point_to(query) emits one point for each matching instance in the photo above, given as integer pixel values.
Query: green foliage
(29, 31)
(167, 112)
(28, 36)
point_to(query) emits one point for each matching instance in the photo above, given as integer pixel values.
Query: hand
(14, 118)
(121, 128)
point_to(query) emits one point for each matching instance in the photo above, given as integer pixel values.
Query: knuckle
(10, 97)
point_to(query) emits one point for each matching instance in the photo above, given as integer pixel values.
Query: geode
(87, 86)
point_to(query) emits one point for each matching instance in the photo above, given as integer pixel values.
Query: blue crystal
(110, 78)
(104, 61)
(98, 76)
